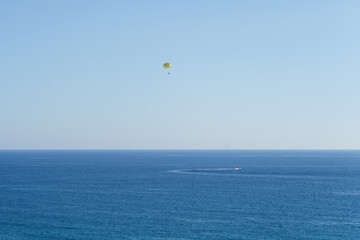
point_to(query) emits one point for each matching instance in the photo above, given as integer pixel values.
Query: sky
(257, 74)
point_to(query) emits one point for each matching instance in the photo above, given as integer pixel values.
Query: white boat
(237, 168)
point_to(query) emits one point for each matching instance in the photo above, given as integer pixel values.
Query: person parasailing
(167, 65)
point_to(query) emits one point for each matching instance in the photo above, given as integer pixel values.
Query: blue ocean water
(179, 195)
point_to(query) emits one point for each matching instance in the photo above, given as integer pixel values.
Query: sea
(179, 194)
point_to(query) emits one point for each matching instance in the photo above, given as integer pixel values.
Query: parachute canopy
(167, 65)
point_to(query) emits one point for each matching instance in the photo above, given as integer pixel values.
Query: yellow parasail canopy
(167, 65)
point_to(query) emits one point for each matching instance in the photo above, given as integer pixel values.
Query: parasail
(167, 65)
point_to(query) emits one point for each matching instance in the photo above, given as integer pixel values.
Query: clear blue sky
(246, 74)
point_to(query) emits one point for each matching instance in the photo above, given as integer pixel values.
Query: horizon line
(178, 149)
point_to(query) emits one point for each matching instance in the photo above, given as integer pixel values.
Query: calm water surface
(179, 195)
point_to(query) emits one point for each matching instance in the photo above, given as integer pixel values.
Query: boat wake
(209, 170)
